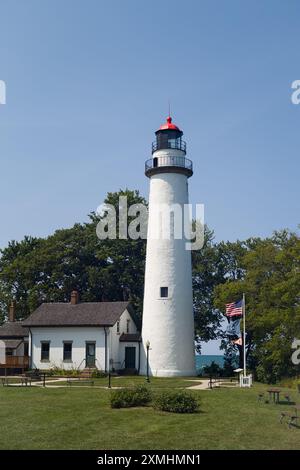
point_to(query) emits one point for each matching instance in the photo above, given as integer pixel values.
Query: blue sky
(88, 83)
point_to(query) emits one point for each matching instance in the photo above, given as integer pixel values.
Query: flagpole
(244, 333)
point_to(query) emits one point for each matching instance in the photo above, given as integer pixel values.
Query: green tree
(271, 282)
(213, 265)
(207, 274)
(47, 270)
(213, 370)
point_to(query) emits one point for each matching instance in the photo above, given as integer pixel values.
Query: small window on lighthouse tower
(164, 292)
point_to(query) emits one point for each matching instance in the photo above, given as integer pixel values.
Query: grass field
(81, 418)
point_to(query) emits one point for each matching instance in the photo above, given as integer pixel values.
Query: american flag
(234, 309)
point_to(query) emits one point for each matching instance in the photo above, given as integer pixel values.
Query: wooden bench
(33, 376)
(25, 381)
(4, 381)
(260, 397)
(287, 398)
(293, 420)
(291, 417)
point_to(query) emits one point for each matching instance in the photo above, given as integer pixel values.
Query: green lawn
(155, 383)
(81, 418)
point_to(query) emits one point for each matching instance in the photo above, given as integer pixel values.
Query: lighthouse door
(130, 357)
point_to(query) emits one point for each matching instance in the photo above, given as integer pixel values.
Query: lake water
(206, 359)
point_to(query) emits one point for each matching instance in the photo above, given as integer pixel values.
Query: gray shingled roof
(13, 330)
(81, 314)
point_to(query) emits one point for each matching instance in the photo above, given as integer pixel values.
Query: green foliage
(213, 369)
(176, 402)
(213, 265)
(98, 374)
(127, 398)
(271, 282)
(63, 372)
(230, 361)
(206, 275)
(38, 270)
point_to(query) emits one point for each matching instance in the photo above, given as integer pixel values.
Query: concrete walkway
(203, 385)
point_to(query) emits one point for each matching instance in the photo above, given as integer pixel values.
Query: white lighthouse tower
(168, 321)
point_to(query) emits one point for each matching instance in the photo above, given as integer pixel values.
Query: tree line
(37, 270)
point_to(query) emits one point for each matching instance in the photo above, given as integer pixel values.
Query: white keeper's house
(79, 335)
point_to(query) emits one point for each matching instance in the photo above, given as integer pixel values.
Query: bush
(98, 374)
(126, 398)
(63, 372)
(212, 370)
(177, 402)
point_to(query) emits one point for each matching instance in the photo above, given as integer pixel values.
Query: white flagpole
(244, 333)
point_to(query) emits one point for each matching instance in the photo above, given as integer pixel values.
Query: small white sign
(245, 380)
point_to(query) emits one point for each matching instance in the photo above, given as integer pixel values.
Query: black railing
(176, 161)
(173, 144)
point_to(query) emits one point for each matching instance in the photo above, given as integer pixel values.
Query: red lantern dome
(169, 125)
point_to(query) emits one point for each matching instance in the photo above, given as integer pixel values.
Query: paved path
(203, 385)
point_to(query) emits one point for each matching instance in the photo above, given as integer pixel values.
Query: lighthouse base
(170, 373)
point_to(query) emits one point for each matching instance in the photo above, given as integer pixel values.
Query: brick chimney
(74, 297)
(12, 311)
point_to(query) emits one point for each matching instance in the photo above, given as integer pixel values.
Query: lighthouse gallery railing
(178, 161)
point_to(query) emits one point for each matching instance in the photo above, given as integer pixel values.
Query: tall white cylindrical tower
(168, 320)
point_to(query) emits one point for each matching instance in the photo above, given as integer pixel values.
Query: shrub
(126, 398)
(177, 402)
(63, 372)
(98, 374)
(143, 394)
(212, 370)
